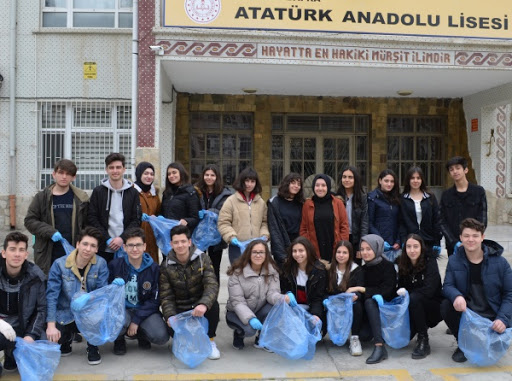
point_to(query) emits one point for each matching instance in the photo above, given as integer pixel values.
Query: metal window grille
(85, 132)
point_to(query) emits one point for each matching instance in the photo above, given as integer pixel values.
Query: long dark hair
(245, 259)
(393, 196)
(333, 277)
(217, 186)
(290, 264)
(407, 181)
(405, 267)
(184, 177)
(284, 187)
(247, 173)
(358, 186)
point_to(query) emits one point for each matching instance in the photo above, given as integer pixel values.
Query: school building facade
(304, 86)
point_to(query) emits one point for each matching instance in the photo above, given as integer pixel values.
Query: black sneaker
(93, 355)
(9, 363)
(458, 356)
(238, 340)
(144, 344)
(120, 346)
(77, 338)
(65, 349)
(258, 346)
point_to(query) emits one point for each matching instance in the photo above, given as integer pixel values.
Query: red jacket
(307, 225)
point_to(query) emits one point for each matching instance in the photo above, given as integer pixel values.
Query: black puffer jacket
(182, 203)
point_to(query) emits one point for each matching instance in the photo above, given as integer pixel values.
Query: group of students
(318, 247)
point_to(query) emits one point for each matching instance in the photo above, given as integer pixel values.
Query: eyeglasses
(131, 246)
(258, 253)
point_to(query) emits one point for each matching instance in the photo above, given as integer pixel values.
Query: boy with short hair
(479, 278)
(22, 297)
(463, 200)
(58, 211)
(114, 206)
(188, 282)
(140, 274)
(81, 270)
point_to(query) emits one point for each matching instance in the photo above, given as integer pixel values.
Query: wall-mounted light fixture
(157, 49)
(404, 93)
(489, 143)
(249, 91)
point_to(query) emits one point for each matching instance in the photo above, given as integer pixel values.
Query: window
(223, 139)
(85, 132)
(417, 141)
(87, 13)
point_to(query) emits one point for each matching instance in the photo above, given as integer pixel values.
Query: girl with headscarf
(149, 202)
(379, 286)
(324, 219)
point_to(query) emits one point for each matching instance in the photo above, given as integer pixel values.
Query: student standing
(419, 210)
(114, 207)
(324, 219)
(244, 214)
(284, 215)
(149, 203)
(212, 195)
(253, 289)
(463, 200)
(58, 211)
(418, 273)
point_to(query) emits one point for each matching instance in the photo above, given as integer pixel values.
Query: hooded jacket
(101, 202)
(147, 284)
(182, 204)
(32, 300)
(41, 223)
(184, 286)
(496, 279)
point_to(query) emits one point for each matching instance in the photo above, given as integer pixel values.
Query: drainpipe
(12, 117)
(135, 83)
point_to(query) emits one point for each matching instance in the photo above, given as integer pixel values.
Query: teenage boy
(140, 274)
(58, 211)
(114, 206)
(463, 200)
(82, 270)
(479, 278)
(22, 297)
(188, 282)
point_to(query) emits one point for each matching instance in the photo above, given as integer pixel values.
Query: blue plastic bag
(482, 345)
(37, 360)
(206, 233)
(68, 248)
(244, 244)
(339, 317)
(291, 332)
(102, 317)
(162, 230)
(120, 253)
(392, 255)
(190, 344)
(394, 318)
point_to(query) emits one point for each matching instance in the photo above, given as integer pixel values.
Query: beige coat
(241, 220)
(249, 291)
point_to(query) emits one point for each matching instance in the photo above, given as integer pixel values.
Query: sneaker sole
(355, 354)
(262, 348)
(65, 354)
(95, 362)
(238, 348)
(213, 358)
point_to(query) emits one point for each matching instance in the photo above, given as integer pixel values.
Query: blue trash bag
(68, 248)
(339, 317)
(392, 255)
(244, 244)
(394, 318)
(37, 360)
(190, 344)
(120, 253)
(206, 233)
(102, 317)
(291, 332)
(482, 345)
(162, 230)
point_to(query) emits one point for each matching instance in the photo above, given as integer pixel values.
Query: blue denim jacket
(64, 281)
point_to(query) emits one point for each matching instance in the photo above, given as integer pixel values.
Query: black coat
(429, 229)
(182, 204)
(426, 282)
(380, 279)
(356, 280)
(316, 288)
(359, 220)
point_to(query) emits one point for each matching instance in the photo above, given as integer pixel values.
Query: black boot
(379, 353)
(422, 349)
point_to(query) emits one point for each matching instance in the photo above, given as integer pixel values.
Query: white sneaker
(215, 354)
(355, 346)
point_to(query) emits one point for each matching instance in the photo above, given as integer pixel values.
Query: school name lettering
(294, 13)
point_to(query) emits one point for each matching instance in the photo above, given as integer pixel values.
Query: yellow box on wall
(90, 70)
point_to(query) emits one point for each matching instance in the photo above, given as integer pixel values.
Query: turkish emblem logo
(202, 11)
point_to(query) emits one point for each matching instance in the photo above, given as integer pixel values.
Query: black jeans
(357, 321)
(373, 314)
(216, 257)
(212, 315)
(67, 333)
(423, 313)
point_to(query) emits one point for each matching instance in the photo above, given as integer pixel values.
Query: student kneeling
(141, 275)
